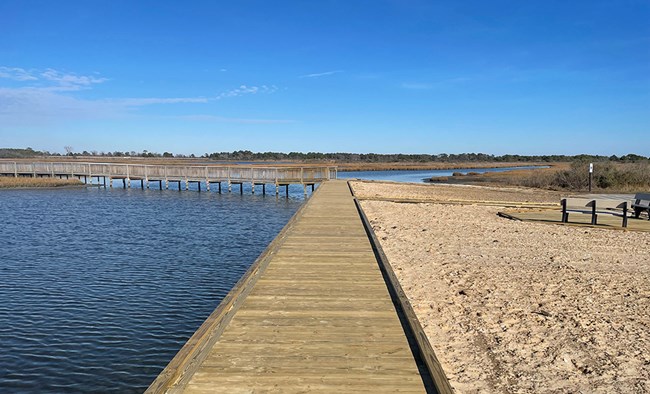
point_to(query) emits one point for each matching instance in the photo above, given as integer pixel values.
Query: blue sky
(402, 76)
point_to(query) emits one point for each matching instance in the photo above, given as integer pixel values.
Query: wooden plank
(319, 318)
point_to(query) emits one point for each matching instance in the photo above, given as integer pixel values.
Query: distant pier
(183, 175)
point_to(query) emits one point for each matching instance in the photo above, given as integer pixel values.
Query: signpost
(591, 174)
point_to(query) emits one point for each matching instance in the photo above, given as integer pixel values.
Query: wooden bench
(594, 207)
(641, 203)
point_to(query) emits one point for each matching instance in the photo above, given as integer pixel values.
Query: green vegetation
(247, 155)
(13, 153)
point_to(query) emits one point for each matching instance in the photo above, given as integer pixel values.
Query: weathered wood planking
(235, 174)
(319, 318)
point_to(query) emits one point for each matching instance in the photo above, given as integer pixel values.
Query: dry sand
(519, 307)
(439, 192)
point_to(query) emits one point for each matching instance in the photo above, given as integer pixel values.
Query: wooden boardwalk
(163, 175)
(317, 317)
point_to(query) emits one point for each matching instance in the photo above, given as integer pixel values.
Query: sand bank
(516, 306)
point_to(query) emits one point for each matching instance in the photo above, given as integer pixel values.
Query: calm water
(100, 288)
(419, 175)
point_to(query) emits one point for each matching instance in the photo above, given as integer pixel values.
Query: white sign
(591, 168)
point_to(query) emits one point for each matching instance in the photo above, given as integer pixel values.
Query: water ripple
(100, 288)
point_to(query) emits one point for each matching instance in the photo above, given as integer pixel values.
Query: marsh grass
(20, 182)
(609, 176)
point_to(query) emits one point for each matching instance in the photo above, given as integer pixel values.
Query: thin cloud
(323, 74)
(16, 74)
(49, 95)
(68, 80)
(245, 90)
(30, 106)
(50, 79)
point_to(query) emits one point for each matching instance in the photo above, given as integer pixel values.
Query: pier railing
(211, 173)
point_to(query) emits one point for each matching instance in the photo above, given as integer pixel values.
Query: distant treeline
(246, 155)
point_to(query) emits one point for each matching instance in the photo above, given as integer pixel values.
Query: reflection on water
(419, 175)
(100, 288)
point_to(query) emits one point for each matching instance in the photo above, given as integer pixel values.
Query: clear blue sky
(409, 76)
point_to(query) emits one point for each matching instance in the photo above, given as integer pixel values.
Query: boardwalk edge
(425, 350)
(176, 374)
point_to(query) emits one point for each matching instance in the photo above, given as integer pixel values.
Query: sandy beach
(518, 307)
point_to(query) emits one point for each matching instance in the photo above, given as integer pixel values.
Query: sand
(518, 307)
(438, 192)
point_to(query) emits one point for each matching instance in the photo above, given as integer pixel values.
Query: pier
(182, 175)
(319, 311)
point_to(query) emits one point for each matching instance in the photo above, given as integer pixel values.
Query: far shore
(343, 167)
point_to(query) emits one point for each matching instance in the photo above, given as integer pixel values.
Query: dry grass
(607, 177)
(20, 182)
(523, 177)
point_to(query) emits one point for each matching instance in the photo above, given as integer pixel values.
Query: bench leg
(565, 217)
(624, 220)
(594, 219)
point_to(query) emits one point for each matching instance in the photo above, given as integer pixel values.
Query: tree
(68, 150)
